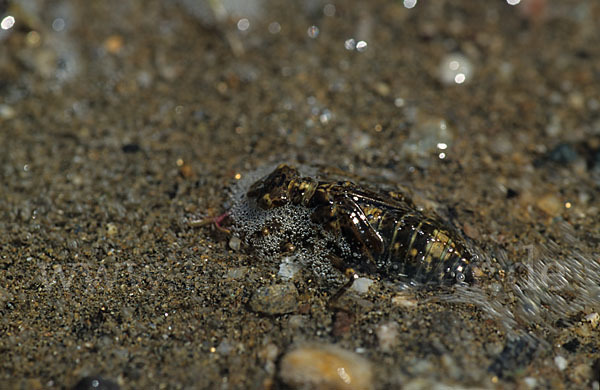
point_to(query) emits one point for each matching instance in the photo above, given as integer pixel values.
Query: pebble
(275, 299)
(531, 382)
(235, 243)
(361, 285)
(382, 89)
(237, 273)
(560, 362)
(387, 335)
(325, 367)
(550, 204)
(224, 347)
(6, 112)
(111, 229)
(563, 154)
(593, 319)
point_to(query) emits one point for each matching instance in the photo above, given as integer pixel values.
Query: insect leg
(352, 276)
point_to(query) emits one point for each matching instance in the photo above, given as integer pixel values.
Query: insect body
(387, 234)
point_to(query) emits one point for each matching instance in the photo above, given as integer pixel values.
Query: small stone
(6, 112)
(593, 319)
(111, 229)
(237, 273)
(387, 334)
(275, 299)
(531, 382)
(325, 367)
(382, 89)
(576, 100)
(224, 347)
(550, 204)
(113, 44)
(560, 362)
(361, 285)
(235, 243)
(563, 154)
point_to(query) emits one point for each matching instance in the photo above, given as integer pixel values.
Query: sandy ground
(124, 123)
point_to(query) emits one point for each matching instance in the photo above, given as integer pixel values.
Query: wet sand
(123, 124)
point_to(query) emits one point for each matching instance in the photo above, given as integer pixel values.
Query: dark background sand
(123, 121)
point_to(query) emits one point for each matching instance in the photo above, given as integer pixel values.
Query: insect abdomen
(419, 248)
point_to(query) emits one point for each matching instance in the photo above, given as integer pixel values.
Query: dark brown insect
(387, 234)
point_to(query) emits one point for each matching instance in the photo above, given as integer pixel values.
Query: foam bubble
(271, 232)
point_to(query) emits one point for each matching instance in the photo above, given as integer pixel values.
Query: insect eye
(460, 277)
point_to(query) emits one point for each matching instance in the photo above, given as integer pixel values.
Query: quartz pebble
(235, 243)
(560, 362)
(325, 367)
(361, 285)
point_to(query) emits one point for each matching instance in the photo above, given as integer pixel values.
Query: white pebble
(387, 334)
(361, 285)
(7, 112)
(531, 382)
(560, 362)
(593, 319)
(235, 243)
